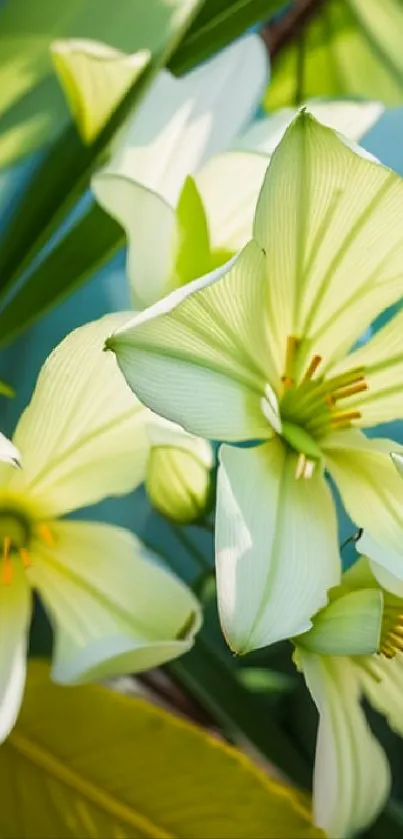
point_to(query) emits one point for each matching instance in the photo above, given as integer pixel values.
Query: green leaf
(348, 48)
(89, 245)
(32, 106)
(90, 762)
(259, 680)
(194, 255)
(217, 24)
(65, 173)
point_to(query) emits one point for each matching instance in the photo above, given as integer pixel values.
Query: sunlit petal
(200, 356)
(114, 610)
(276, 546)
(82, 436)
(15, 615)
(352, 777)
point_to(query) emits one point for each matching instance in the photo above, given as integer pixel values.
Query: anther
(341, 417)
(313, 366)
(46, 534)
(25, 558)
(392, 627)
(358, 387)
(300, 467)
(309, 469)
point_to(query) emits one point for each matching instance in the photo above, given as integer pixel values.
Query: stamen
(358, 387)
(392, 626)
(313, 367)
(341, 417)
(25, 558)
(292, 345)
(309, 469)
(300, 467)
(7, 564)
(46, 534)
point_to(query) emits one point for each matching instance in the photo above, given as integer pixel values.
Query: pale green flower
(354, 651)
(82, 438)
(258, 351)
(146, 186)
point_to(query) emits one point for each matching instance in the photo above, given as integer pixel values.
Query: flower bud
(178, 480)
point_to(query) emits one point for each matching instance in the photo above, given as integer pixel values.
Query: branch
(278, 33)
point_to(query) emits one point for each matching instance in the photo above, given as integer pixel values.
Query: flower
(114, 611)
(146, 185)
(354, 650)
(258, 353)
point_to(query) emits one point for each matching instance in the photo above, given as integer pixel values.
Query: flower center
(392, 626)
(310, 407)
(16, 535)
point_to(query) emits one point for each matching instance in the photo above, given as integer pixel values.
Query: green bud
(178, 481)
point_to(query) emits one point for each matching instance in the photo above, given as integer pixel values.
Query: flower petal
(95, 77)
(382, 682)
(329, 221)
(8, 452)
(369, 485)
(82, 436)
(229, 185)
(349, 625)
(182, 122)
(15, 615)
(196, 358)
(276, 546)
(146, 218)
(352, 777)
(352, 119)
(384, 564)
(114, 611)
(382, 358)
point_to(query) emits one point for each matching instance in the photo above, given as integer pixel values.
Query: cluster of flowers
(254, 274)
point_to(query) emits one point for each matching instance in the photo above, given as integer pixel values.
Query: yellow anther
(7, 574)
(392, 626)
(341, 417)
(25, 558)
(313, 367)
(358, 387)
(46, 535)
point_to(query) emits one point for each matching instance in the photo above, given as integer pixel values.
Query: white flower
(145, 186)
(113, 610)
(259, 352)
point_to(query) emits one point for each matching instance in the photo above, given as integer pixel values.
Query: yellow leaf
(95, 78)
(86, 761)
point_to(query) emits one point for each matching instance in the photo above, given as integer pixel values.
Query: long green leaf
(217, 24)
(86, 761)
(88, 246)
(65, 173)
(350, 48)
(32, 106)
